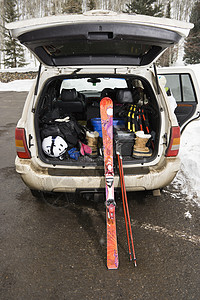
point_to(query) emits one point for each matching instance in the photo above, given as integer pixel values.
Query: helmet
(54, 146)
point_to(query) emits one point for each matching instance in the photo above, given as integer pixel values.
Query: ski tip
(106, 100)
(135, 263)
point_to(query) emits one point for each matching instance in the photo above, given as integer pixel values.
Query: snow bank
(188, 178)
(20, 70)
(17, 85)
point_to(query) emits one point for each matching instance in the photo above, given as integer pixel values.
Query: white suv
(83, 59)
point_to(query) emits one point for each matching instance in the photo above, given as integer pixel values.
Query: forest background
(13, 55)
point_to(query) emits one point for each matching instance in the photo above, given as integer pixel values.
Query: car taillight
(174, 143)
(21, 145)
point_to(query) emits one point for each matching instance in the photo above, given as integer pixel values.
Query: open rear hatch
(98, 38)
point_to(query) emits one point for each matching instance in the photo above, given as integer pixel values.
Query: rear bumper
(39, 178)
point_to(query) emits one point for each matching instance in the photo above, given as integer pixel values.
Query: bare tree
(181, 9)
(2, 26)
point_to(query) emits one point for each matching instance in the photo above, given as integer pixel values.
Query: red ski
(106, 109)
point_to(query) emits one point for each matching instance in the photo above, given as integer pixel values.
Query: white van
(83, 59)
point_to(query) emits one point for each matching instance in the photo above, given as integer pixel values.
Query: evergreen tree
(145, 7)
(14, 53)
(192, 45)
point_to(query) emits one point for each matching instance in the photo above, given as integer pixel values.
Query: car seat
(123, 96)
(71, 102)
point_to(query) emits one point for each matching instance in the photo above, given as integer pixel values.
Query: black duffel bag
(70, 131)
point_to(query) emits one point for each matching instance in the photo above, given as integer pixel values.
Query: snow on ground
(17, 85)
(29, 68)
(188, 178)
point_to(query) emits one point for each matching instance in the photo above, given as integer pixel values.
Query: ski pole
(124, 207)
(128, 215)
(123, 188)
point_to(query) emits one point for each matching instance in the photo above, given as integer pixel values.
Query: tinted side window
(181, 87)
(188, 91)
(173, 82)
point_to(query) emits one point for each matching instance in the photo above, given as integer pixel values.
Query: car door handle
(100, 35)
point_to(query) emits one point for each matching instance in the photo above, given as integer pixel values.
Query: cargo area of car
(68, 109)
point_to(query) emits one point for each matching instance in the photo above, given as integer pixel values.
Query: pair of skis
(106, 109)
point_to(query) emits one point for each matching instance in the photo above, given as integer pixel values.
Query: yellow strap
(129, 118)
(133, 118)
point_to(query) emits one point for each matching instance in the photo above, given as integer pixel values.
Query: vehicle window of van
(188, 92)
(181, 87)
(173, 82)
(86, 84)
